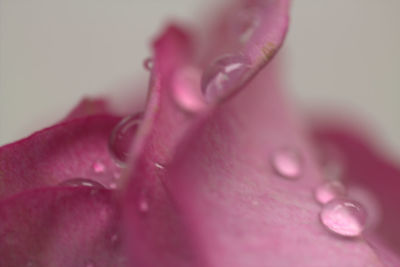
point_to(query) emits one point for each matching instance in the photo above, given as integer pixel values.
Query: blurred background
(340, 54)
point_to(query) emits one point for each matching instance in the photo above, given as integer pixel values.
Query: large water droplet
(75, 182)
(186, 90)
(329, 191)
(122, 137)
(344, 217)
(148, 63)
(223, 77)
(287, 163)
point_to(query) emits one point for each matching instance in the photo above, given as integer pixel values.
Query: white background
(339, 53)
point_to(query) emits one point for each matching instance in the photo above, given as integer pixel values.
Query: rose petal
(369, 169)
(237, 209)
(60, 227)
(74, 149)
(89, 106)
(268, 24)
(155, 235)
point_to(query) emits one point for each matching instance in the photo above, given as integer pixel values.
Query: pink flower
(221, 171)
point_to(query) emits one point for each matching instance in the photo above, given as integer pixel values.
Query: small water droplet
(113, 185)
(344, 217)
(114, 238)
(329, 191)
(159, 166)
(76, 182)
(122, 136)
(148, 63)
(287, 163)
(98, 167)
(90, 264)
(143, 206)
(186, 90)
(223, 77)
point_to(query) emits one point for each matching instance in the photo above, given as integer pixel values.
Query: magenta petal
(365, 167)
(64, 227)
(155, 235)
(74, 149)
(89, 106)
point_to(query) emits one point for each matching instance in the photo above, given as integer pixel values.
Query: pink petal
(228, 206)
(270, 19)
(60, 227)
(77, 148)
(367, 168)
(238, 211)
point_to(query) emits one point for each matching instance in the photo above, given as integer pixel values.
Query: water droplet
(143, 206)
(76, 182)
(370, 203)
(113, 186)
(159, 166)
(114, 238)
(287, 163)
(329, 191)
(90, 264)
(98, 167)
(344, 217)
(122, 137)
(148, 63)
(186, 90)
(223, 77)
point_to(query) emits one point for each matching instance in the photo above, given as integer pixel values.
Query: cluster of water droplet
(340, 214)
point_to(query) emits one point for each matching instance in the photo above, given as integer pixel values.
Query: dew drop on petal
(148, 63)
(143, 206)
(98, 167)
(329, 191)
(77, 182)
(287, 163)
(122, 137)
(90, 264)
(223, 76)
(113, 185)
(159, 166)
(344, 217)
(114, 238)
(186, 90)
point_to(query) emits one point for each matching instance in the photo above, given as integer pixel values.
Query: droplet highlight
(122, 136)
(148, 63)
(98, 167)
(344, 217)
(287, 163)
(329, 191)
(223, 77)
(143, 206)
(77, 182)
